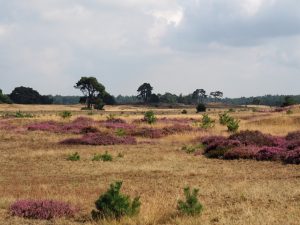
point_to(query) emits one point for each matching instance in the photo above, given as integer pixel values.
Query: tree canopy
(4, 98)
(145, 91)
(26, 95)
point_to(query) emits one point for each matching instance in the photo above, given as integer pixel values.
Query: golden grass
(236, 192)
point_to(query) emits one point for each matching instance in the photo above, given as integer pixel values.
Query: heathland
(151, 160)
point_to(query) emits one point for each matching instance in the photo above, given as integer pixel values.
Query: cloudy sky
(242, 47)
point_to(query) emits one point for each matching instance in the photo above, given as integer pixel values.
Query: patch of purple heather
(42, 209)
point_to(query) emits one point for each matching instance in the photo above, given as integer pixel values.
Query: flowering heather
(115, 120)
(253, 138)
(269, 153)
(42, 209)
(292, 157)
(212, 139)
(124, 126)
(147, 132)
(243, 152)
(76, 126)
(176, 128)
(51, 126)
(100, 139)
(293, 136)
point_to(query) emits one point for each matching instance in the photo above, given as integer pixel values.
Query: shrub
(191, 206)
(224, 118)
(74, 157)
(20, 114)
(292, 157)
(289, 112)
(243, 152)
(104, 157)
(89, 129)
(253, 138)
(233, 125)
(207, 122)
(113, 204)
(269, 153)
(150, 117)
(201, 108)
(66, 114)
(293, 136)
(42, 209)
(100, 139)
(120, 132)
(184, 111)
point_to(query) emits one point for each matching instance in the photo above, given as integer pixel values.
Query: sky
(240, 47)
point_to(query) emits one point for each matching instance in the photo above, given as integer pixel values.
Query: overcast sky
(241, 47)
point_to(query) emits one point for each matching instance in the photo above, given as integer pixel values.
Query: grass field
(238, 192)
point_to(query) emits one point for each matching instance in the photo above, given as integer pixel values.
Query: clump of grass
(191, 148)
(184, 111)
(120, 132)
(289, 112)
(120, 155)
(191, 206)
(65, 114)
(74, 157)
(114, 205)
(150, 117)
(106, 157)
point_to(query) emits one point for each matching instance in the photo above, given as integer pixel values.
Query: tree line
(95, 96)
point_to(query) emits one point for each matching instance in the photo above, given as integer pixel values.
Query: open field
(236, 192)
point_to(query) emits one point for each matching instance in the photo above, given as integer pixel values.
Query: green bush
(66, 114)
(150, 117)
(115, 205)
(207, 122)
(191, 149)
(233, 125)
(191, 206)
(201, 108)
(20, 114)
(224, 118)
(74, 157)
(120, 132)
(105, 157)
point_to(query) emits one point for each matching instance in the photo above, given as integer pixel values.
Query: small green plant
(184, 111)
(104, 157)
(150, 117)
(289, 112)
(201, 108)
(20, 114)
(207, 122)
(231, 110)
(111, 117)
(74, 157)
(66, 114)
(191, 148)
(224, 118)
(120, 132)
(191, 206)
(115, 205)
(233, 125)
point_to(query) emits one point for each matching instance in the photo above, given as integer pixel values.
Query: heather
(76, 126)
(100, 139)
(253, 145)
(42, 209)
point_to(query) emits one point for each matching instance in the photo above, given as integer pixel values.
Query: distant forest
(168, 98)
(96, 96)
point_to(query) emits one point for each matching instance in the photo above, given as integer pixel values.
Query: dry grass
(240, 192)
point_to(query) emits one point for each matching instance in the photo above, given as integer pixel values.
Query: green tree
(26, 95)
(4, 98)
(145, 91)
(199, 95)
(217, 95)
(91, 89)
